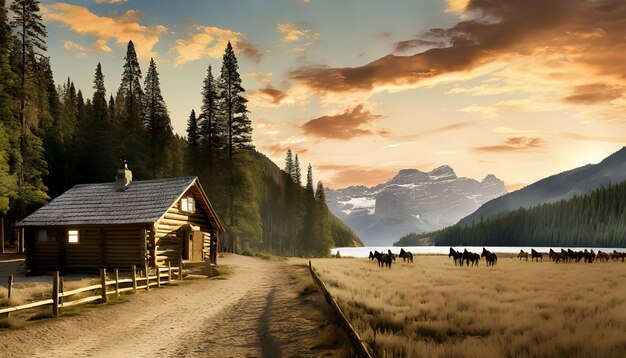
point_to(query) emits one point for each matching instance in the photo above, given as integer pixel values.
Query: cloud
(250, 51)
(275, 95)
(120, 29)
(265, 128)
(508, 130)
(594, 93)
(346, 175)
(594, 138)
(262, 77)
(210, 41)
(513, 144)
(484, 111)
(110, 1)
(456, 5)
(408, 45)
(295, 143)
(293, 33)
(384, 34)
(353, 122)
(586, 32)
(74, 49)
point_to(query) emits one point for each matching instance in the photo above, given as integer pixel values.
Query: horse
(522, 255)
(491, 257)
(535, 255)
(602, 256)
(589, 256)
(392, 255)
(557, 257)
(372, 257)
(471, 257)
(383, 259)
(618, 255)
(456, 255)
(551, 254)
(406, 255)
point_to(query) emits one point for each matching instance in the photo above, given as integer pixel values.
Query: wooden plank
(26, 306)
(126, 289)
(82, 289)
(81, 301)
(10, 287)
(134, 278)
(117, 283)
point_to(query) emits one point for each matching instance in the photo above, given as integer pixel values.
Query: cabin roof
(143, 202)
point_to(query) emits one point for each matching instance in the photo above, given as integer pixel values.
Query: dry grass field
(516, 309)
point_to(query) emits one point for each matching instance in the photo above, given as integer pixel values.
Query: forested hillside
(597, 220)
(52, 137)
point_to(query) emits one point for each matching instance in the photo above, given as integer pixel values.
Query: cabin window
(42, 235)
(72, 236)
(188, 204)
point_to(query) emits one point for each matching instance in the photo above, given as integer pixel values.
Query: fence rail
(360, 347)
(60, 298)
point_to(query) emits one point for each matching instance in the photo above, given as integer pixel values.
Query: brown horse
(471, 257)
(456, 255)
(383, 259)
(602, 256)
(522, 255)
(491, 257)
(535, 255)
(406, 255)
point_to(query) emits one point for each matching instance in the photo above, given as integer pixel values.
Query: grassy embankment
(433, 309)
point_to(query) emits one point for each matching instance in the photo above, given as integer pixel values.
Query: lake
(444, 250)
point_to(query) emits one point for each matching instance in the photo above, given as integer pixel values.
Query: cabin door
(198, 245)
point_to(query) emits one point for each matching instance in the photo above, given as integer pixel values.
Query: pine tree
(297, 175)
(234, 108)
(211, 123)
(319, 192)
(157, 120)
(111, 109)
(289, 163)
(31, 32)
(130, 90)
(309, 179)
(9, 131)
(99, 101)
(192, 130)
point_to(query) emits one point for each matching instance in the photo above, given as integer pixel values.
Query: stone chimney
(124, 177)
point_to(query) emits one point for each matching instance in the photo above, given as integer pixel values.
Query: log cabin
(123, 223)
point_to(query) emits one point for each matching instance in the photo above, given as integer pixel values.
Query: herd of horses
(472, 259)
(585, 256)
(386, 259)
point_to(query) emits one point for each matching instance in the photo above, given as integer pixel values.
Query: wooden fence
(100, 292)
(360, 347)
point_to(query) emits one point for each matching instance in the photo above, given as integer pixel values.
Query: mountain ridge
(411, 201)
(564, 185)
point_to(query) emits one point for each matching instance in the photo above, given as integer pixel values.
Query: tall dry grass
(516, 309)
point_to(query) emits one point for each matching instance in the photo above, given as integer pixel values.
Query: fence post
(147, 278)
(158, 273)
(134, 269)
(208, 266)
(169, 272)
(117, 283)
(103, 282)
(180, 267)
(10, 286)
(61, 290)
(1, 234)
(55, 293)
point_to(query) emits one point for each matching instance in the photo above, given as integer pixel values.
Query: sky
(522, 89)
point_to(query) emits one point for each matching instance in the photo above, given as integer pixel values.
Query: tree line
(52, 137)
(597, 219)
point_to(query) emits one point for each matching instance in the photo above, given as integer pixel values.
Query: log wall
(168, 237)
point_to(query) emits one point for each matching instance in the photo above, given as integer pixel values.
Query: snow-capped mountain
(412, 201)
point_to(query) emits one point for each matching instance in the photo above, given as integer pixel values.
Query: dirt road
(256, 311)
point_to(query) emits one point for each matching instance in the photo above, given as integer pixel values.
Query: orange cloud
(292, 32)
(349, 124)
(274, 94)
(74, 49)
(210, 41)
(513, 144)
(346, 175)
(586, 31)
(594, 93)
(119, 29)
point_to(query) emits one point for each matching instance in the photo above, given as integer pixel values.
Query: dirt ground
(259, 308)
